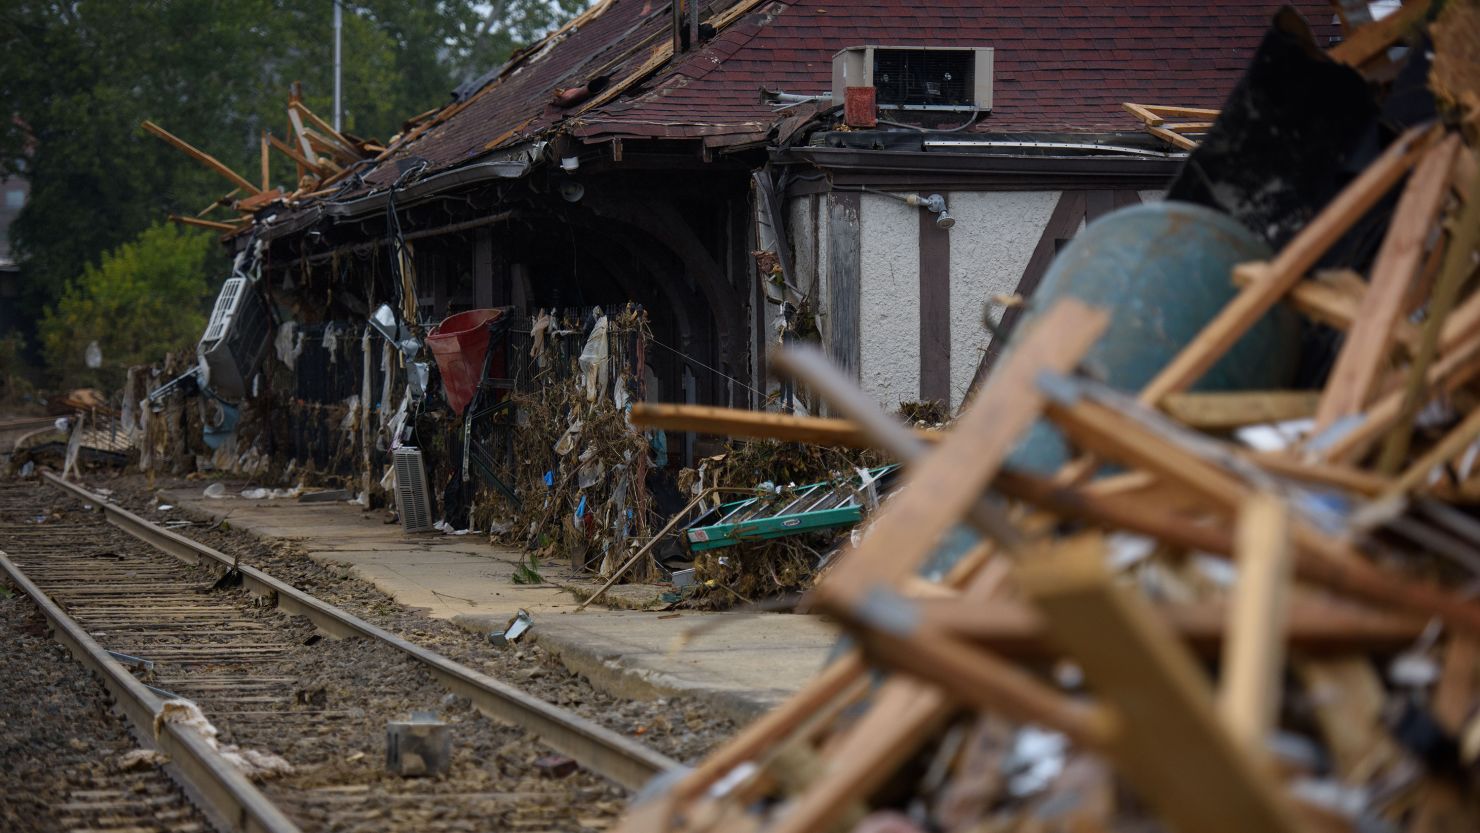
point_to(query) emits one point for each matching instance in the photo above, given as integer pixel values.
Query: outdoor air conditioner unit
(413, 501)
(236, 339)
(948, 78)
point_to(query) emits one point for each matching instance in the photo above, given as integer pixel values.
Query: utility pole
(338, 30)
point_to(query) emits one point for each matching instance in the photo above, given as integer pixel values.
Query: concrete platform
(740, 664)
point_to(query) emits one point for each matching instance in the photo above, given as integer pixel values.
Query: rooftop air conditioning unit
(948, 78)
(413, 500)
(237, 337)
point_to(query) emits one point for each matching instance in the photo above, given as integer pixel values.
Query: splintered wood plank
(1348, 697)
(1365, 350)
(1458, 265)
(1455, 442)
(266, 162)
(1322, 558)
(1174, 112)
(1140, 112)
(1172, 137)
(196, 221)
(1288, 267)
(1373, 39)
(904, 716)
(303, 144)
(200, 156)
(946, 483)
(1253, 654)
(1222, 411)
(1334, 298)
(1168, 732)
(1456, 367)
(735, 422)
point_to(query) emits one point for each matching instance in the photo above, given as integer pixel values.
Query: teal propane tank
(1162, 270)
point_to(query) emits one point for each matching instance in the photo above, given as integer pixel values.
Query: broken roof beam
(288, 151)
(201, 156)
(343, 144)
(210, 224)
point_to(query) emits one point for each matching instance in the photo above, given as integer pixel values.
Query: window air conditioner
(946, 78)
(236, 339)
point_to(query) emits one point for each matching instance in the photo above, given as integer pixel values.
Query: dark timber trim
(1062, 225)
(935, 311)
(844, 271)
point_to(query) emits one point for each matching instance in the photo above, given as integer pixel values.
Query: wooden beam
(1373, 39)
(1254, 653)
(266, 162)
(200, 156)
(1454, 368)
(1403, 250)
(1171, 137)
(345, 145)
(1416, 476)
(1142, 113)
(1313, 627)
(951, 479)
(905, 715)
(733, 422)
(303, 144)
(1332, 297)
(210, 224)
(1169, 735)
(1457, 267)
(1288, 267)
(1173, 112)
(1221, 411)
(294, 155)
(1321, 558)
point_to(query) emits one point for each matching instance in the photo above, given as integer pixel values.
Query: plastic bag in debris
(288, 344)
(351, 419)
(591, 469)
(93, 355)
(331, 342)
(446, 528)
(215, 491)
(567, 442)
(537, 332)
(594, 359)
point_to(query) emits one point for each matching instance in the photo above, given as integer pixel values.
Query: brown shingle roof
(1058, 66)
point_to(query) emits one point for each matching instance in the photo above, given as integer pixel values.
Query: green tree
(145, 298)
(78, 78)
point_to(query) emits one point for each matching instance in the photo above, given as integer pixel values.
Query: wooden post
(201, 156)
(1169, 734)
(1253, 652)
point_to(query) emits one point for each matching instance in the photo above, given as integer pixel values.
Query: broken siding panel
(843, 278)
(889, 300)
(994, 236)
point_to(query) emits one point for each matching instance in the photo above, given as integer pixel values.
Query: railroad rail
(105, 601)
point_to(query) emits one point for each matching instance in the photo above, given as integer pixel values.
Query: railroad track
(273, 685)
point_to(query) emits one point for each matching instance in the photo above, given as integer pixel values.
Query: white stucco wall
(994, 236)
(889, 302)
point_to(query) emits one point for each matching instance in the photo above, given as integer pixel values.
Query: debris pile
(581, 472)
(1206, 620)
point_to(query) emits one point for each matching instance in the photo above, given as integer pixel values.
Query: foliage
(12, 365)
(145, 298)
(78, 78)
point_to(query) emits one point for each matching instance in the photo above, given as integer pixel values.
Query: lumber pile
(1209, 636)
(322, 157)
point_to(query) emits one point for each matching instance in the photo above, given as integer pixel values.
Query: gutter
(510, 166)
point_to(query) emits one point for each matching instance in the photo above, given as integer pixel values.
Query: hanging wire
(713, 370)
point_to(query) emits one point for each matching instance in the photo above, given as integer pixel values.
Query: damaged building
(712, 178)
